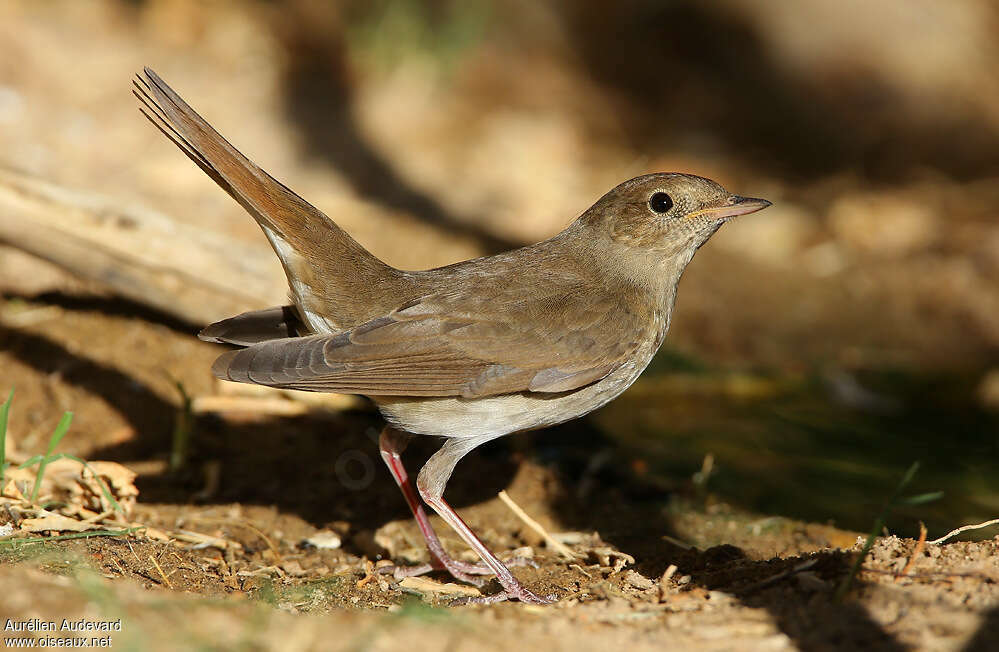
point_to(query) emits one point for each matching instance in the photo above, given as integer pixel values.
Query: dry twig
(920, 544)
(553, 543)
(963, 528)
(162, 574)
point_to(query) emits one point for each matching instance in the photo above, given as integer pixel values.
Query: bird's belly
(499, 415)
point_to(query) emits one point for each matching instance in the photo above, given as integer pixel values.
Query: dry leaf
(10, 490)
(52, 522)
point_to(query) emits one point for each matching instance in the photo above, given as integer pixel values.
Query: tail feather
(257, 326)
(328, 271)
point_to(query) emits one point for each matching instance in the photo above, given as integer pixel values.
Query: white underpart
(289, 257)
(498, 415)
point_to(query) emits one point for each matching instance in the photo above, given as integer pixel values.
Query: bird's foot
(462, 571)
(514, 592)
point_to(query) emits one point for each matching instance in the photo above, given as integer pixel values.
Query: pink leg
(391, 444)
(430, 483)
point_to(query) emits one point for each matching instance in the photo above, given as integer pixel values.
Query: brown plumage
(471, 351)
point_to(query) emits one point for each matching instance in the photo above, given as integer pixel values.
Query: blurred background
(818, 348)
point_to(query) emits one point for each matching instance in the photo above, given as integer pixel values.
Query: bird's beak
(732, 207)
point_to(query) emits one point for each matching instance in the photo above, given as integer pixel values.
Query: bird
(469, 352)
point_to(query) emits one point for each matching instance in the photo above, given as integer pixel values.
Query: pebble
(325, 540)
(638, 580)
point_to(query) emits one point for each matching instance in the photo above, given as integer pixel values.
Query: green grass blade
(54, 440)
(904, 482)
(4, 411)
(921, 499)
(31, 461)
(74, 535)
(879, 524)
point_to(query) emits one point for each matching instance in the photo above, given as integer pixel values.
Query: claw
(516, 593)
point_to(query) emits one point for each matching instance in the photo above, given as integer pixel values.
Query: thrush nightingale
(469, 352)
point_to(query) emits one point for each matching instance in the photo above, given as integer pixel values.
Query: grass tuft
(879, 523)
(44, 460)
(54, 440)
(62, 537)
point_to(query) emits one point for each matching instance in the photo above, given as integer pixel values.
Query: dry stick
(162, 574)
(182, 269)
(563, 549)
(132, 550)
(118, 566)
(964, 528)
(920, 544)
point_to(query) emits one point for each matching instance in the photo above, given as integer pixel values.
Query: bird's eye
(660, 202)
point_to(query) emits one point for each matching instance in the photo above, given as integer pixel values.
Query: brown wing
(421, 351)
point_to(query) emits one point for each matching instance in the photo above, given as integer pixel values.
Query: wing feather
(427, 350)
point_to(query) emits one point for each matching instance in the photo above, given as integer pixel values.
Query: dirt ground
(814, 355)
(651, 573)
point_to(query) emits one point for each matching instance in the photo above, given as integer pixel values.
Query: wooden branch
(192, 273)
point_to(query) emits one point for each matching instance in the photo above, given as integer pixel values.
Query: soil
(720, 504)
(704, 573)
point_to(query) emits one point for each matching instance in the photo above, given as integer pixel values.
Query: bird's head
(667, 213)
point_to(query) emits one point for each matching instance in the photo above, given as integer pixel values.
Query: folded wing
(423, 351)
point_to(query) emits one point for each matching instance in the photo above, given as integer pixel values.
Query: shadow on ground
(326, 469)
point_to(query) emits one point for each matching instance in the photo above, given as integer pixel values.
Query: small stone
(524, 552)
(572, 538)
(638, 580)
(325, 540)
(720, 597)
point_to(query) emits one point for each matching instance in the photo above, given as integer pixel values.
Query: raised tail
(334, 280)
